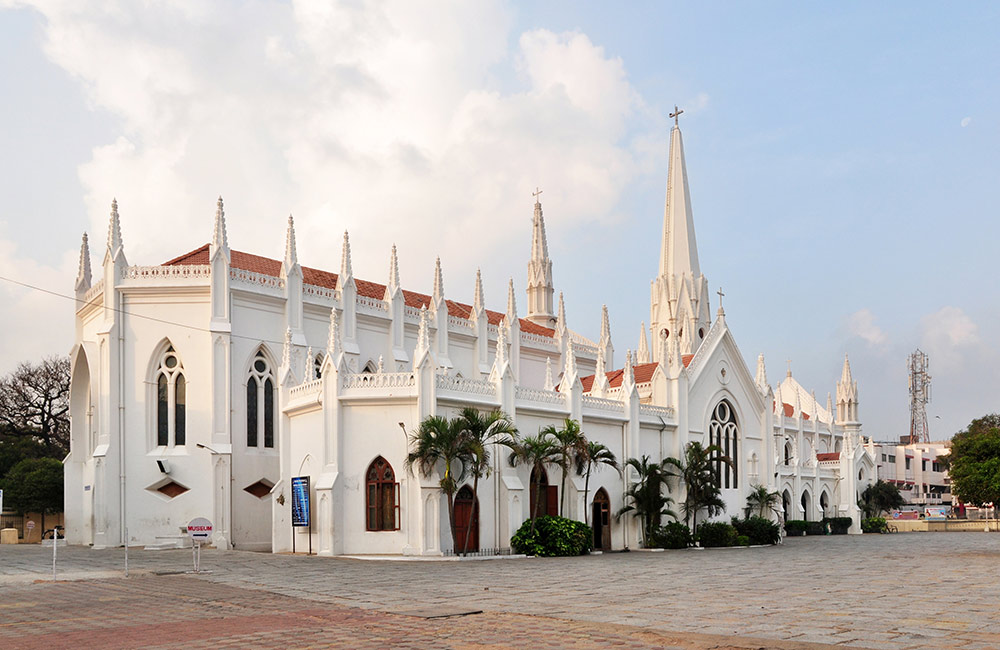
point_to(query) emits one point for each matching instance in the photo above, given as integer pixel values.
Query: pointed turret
(600, 385)
(570, 374)
(761, 378)
(549, 384)
(220, 240)
(605, 348)
(561, 327)
(438, 296)
(393, 274)
(346, 266)
(423, 335)
(84, 277)
(642, 353)
(679, 251)
(440, 309)
(115, 243)
(628, 376)
(511, 303)
(478, 300)
(333, 335)
(291, 250)
(540, 289)
(847, 395)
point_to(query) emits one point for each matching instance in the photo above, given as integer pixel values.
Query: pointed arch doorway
(466, 518)
(601, 516)
(538, 482)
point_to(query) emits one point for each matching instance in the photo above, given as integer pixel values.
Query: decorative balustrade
(492, 331)
(411, 314)
(372, 304)
(656, 411)
(603, 404)
(535, 340)
(306, 389)
(584, 350)
(461, 323)
(256, 279)
(92, 293)
(176, 272)
(324, 293)
(378, 380)
(539, 395)
(464, 385)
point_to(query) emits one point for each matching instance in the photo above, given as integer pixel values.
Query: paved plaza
(919, 590)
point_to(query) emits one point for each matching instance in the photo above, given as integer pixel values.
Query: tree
(879, 497)
(572, 445)
(697, 470)
(975, 462)
(594, 454)
(34, 401)
(761, 501)
(536, 452)
(646, 497)
(439, 439)
(35, 485)
(479, 431)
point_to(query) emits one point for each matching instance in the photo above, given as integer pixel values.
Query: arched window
(788, 452)
(171, 400)
(724, 432)
(260, 403)
(318, 367)
(381, 496)
(804, 502)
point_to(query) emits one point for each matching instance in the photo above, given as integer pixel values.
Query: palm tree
(480, 431)
(647, 497)
(439, 439)
(572, 445)
(761, 501)
(594, 454)
(698, 472)
(536, 452)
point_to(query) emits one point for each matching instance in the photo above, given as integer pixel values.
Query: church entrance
(466, 518)
(539, 484)
(601, 517)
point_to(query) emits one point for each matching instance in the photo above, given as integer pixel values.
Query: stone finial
(600, 386)
(114, 229)
(511, 304)
(381, 365)
(561, 317)
(346, 268)
(549, 383)
(220, 240)
(628, 375)
(286, 350)
(291, 251)
(642, 354)
(779, 404)
(423, 334)
(333, 337)
(829, 404)
(83, 275)
(438, 296)
(501, 357)
(393, 270)
(570, 374)
(478, 301)
(761, 379)
(605, 327)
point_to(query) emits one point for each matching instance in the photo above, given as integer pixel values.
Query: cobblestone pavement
(919, 590)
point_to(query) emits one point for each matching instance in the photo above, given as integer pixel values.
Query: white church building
(202, 386)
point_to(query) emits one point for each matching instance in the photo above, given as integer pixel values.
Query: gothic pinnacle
(346, 270)
(291, 251)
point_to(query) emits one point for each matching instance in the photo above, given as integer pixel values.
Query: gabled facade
(202, 386)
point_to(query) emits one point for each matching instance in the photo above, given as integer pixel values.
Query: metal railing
(483, 552)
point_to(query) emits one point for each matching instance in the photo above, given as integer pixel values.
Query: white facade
(202, 386)
(917, 470)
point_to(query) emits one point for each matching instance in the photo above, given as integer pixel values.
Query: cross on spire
(677, 113)
(720, 294)
(536, 193)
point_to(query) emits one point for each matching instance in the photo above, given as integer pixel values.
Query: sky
(841, 159)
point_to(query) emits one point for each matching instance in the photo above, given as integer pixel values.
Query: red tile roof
(325, 279)
(833, 455)
(789, 410)
(642, 372)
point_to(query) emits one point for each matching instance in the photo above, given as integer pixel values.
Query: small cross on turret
(536, 193)
(677, 113)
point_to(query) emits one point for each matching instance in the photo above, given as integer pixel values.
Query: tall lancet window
(725, 433)
(171, 400)
(260, 403)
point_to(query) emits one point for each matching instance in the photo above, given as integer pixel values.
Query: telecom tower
(920, 394)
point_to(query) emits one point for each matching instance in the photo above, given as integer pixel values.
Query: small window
(892, 458)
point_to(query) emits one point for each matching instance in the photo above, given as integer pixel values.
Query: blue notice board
(300, 501)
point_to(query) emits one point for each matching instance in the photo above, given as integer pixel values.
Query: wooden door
(539, 481)
(601, 517)
(464, 520)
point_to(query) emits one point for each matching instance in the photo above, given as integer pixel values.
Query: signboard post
(300, 508)
(199, 530)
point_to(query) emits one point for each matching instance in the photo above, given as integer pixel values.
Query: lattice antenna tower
(917, 365)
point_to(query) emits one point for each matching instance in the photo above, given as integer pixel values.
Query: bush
(673, 535)
(839, 525)
(816, 528)
(760, 530)
(742, 540)
(553, 536)
(874, 525)
(796, 527)
(716, 533)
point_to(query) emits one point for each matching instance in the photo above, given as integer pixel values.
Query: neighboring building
(202, 386)
(916, 469)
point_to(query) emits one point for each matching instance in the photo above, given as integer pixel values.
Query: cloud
(377, 117)
(966, 121)
(862, 324)
(950, 337)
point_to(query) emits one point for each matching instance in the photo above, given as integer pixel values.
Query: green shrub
(796, 527)
(760, 530)
(673, 535)
(839, 525)
(874, 525)
(816, 528)
(742, 540)
(716, 533)
(553, 536)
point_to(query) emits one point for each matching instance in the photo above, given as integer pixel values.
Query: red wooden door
(464, 520)
(552, 500)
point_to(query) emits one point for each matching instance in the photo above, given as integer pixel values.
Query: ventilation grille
(260, 489)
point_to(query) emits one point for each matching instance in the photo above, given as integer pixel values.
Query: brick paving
(920, 590)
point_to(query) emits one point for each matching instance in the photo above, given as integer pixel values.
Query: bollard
(55, 546)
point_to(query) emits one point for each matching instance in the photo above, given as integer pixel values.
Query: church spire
(642, 353)
(540, 289)
(847, 395)
(83, 275)
(678, 252)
